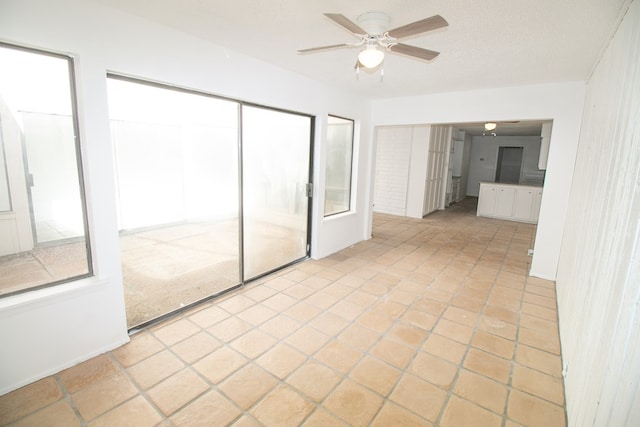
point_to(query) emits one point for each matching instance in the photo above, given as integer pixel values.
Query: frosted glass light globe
(371, 57)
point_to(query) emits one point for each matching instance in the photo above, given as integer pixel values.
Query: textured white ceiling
(489, 43)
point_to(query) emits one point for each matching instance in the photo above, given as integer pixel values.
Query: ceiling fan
(376, 39)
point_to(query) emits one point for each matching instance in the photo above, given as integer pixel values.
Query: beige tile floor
(431, 322)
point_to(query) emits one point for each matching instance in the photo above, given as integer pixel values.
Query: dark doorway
(509, 164)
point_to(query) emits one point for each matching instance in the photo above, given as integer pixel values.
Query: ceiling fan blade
(344, 22)
(321, 48)
(414, 51)
(428, 24)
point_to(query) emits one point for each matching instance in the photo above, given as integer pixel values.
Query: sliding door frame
(309, 190)
(241, 249)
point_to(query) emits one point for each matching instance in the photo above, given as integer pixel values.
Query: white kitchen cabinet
(487, 200)
(545, 140)
(512, 202)
(523, 203)
(504, 203)
(537, 201)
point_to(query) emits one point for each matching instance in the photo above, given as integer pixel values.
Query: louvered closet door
(436, 168)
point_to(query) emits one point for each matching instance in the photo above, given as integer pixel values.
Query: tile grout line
(141, 391)
(69, 399)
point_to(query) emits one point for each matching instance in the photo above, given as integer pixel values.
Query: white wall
(42, 332)
(598, 283)
(561, 102)
(484, 159)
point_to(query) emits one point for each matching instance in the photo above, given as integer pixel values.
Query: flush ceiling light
(490, 126)
(371, 57)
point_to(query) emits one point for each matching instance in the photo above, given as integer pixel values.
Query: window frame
(75, 119)
(351, 168)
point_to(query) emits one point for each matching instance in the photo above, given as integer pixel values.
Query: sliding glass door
(176, 156)
(192, 225)
(276, 148)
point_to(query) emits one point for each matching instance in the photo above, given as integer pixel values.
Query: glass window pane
(276, 148)
(337, 193)
(42, 215)
(176, 156)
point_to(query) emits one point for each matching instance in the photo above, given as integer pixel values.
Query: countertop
(509, 184)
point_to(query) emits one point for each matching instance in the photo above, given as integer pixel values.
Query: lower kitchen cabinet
(509, 201)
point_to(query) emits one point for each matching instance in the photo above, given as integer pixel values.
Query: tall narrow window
(337, 193)
(43, 232)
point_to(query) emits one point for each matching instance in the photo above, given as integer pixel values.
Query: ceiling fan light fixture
(371, 57)
(489, 126)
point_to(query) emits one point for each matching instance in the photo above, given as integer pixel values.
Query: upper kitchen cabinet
(545, 139)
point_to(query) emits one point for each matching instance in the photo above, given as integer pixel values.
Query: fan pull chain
(381, 74)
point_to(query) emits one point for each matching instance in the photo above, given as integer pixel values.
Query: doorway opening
(509, 166)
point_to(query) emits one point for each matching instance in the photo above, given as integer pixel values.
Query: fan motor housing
(374, 23)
